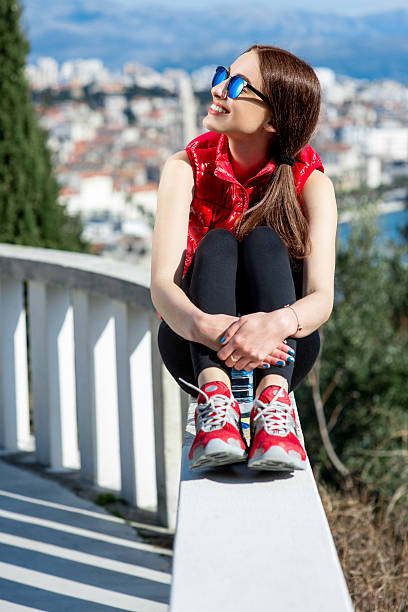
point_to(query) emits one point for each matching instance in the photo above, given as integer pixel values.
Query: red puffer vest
(219, 198)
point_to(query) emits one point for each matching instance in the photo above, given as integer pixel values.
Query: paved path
(60, 552)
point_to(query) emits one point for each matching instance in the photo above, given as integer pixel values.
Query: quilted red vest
(219, 198)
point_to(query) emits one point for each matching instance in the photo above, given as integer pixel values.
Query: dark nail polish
(291, 360)
(291, 351)
(222, 340)
(265, 365)
(280, 363)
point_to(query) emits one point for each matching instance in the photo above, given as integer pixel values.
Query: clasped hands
(250, 340)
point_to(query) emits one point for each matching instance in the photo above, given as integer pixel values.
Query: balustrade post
(169, 407)
(14, 398)
(40, 399)
(137, 426)
(53, 376)
(105, 397)
(84, 385)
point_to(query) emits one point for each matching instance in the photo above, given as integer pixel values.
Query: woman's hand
(281, 356)
(212, 328)
(254, 339)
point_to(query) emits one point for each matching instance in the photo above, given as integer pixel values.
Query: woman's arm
(255, 336)
(314, 309)
(169, 241)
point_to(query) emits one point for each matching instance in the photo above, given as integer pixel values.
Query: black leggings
(236, 278)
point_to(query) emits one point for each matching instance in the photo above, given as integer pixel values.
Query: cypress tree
(30, 213)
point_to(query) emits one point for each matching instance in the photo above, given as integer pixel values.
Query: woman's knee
(264, 238)
(218, 235)
(217, 242)
(263, 246)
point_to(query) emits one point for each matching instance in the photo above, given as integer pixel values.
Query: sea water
(389, 224)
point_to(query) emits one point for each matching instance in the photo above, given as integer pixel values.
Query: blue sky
(346, 7)
(343, 36)
(50, 9)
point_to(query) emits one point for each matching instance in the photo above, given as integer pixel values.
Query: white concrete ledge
(248, 538)
(91, 273)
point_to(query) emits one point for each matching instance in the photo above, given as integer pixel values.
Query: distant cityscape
(111, 132)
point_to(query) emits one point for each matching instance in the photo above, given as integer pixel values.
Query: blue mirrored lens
(219, 76)
(235, 86)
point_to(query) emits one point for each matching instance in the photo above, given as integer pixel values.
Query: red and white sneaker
(274, 441)
(219, 437)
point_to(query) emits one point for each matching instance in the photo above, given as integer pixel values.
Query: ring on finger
(233, 359)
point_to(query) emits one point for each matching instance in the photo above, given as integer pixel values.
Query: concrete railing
(102, 401)
(252, 540)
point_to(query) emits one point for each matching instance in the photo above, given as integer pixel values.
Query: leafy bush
(364, 369)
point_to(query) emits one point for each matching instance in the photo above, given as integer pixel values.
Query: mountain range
(370, 46)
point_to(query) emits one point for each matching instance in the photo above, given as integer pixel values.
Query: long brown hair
(294, 95)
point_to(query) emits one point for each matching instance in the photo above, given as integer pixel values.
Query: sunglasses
(235, 84)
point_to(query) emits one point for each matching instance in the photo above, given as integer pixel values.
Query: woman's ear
(269, 126)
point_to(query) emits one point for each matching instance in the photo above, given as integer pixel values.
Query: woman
(259, 216)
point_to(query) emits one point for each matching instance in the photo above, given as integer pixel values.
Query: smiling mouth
(218, 109)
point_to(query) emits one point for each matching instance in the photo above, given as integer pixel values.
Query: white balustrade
(102, 401)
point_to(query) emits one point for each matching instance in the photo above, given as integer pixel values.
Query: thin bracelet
(299, 327)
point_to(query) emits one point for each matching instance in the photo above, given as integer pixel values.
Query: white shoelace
(213, 413)
(276, 415)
